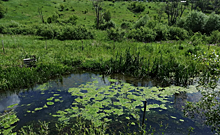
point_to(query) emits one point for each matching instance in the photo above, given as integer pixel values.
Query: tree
(2, 11)
(97, 4)
(41, 14)
(107, 16)
(174, 9)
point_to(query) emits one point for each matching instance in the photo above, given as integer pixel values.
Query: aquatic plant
(106, 104)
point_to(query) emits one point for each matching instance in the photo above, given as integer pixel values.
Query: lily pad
(37, 109)
(57, 100)
(173, 117)
(51, 98)
(50, 103)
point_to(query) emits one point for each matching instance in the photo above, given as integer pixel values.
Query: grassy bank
(171, 62)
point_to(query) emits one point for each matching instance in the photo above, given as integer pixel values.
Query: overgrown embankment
(170, 62)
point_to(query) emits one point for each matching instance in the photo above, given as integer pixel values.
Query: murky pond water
(43, 101)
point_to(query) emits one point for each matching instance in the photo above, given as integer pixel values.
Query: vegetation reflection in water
(114, 102)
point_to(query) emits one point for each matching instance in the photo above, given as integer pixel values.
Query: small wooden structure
(30, 62)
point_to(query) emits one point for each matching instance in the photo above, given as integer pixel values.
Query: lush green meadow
(138, 44)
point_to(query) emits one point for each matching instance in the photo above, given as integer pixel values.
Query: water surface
(171, 118)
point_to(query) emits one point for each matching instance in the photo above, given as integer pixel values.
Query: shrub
(142, 34)
(115, 34)
(72, 20)
(107, 16)
(196, 21)
(196, 39)
(107, 25)
(24, 30)
(162, 32)
(213, 23)
(181, 22)
(136, 7)
(52, 19)
(176, 33)
(126, 25)
(75, 33)
(151, 24)
(214, 37)
(2, 11)
(141, 22)
(45, 31)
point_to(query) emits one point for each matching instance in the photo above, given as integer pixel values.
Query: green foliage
(197, 39)
(107, 25)
(208, 105)
(126, 25)
(107, 16)
(46, 31)
(74, 33)
(7, 122)
(141, 22)
(72, 19)
(214, 37)
(53, 18)
(142, 34)
(2, 11)
(162, 32)
(176, 33)
(196, 21)
(213, 23)
(115, 34)
(136, 7)
(104, 104)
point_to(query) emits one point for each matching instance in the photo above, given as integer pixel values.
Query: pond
(98, 98)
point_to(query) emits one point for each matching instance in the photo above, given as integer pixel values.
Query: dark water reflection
(29, 100)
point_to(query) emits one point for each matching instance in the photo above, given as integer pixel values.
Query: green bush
(126, 25)
(107, 25)
(75, 33)
(2, 11)
(196, 39)
(151, 24)
(72, 20)
(162, 32)
(46, 31)
(136, 7)
(176, 33)
(107, 16)
(213, 23)
(115, 34)
(181, 22)
(52, 19)
(195, 21)
(214, 37)
(141, 22)
(142, 34)
(24, 30)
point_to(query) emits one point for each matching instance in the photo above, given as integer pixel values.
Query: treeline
(188, 27)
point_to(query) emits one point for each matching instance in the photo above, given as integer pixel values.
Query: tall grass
(169, 62)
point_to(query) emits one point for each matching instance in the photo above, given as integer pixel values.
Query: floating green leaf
(37, 109)
(11, 106)
(50, 103)
(51, 98)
